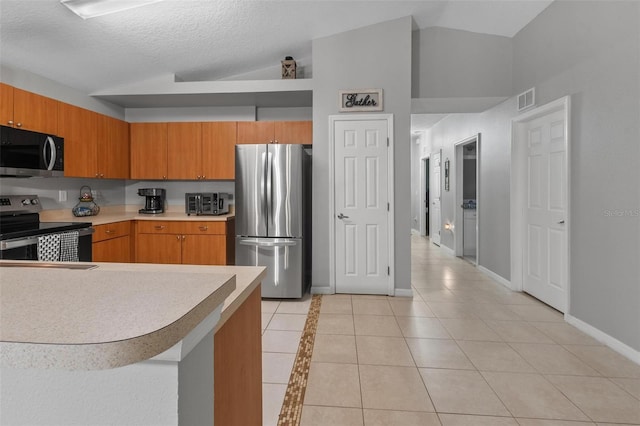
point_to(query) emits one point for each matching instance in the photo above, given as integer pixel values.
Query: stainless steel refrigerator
(272, 198)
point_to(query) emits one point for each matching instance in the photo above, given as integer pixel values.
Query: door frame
(390, 191)
(458, 211)
(519, 186)
(424, 172)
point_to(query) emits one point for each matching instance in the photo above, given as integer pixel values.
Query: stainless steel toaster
(206, 203)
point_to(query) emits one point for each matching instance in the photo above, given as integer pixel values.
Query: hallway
(464, 351)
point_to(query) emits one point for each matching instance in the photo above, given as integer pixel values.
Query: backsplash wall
(108, 191)
(175, 189)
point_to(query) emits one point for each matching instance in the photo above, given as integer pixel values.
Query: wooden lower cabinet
(112, 242)
(237, 366)
(186, 242)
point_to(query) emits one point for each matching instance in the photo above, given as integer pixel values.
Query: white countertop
(111, 214)
(113, 315)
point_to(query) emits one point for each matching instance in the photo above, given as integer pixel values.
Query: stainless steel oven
(22, 234)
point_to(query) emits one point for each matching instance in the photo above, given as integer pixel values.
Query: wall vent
(527, 99)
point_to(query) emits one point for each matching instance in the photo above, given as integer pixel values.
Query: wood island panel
(237, 367)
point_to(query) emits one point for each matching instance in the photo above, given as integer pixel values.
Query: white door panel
(435, 188)
(545, 263)
(361, 213)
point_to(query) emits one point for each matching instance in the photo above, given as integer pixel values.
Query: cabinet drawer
(158, 227)
(205, 228)
(111, 230)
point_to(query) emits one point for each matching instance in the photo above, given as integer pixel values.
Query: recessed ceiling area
(208, 40)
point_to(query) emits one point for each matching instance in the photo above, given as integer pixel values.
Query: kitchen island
(126, 343)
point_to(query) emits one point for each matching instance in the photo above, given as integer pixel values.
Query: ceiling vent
(527, 99)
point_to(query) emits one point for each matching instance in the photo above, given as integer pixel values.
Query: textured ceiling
(212, 39)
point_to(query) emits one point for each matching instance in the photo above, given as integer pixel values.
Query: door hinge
(387, 206)
(388, 270)
(387, 141)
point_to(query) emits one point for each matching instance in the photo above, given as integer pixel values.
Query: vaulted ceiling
(198, 40)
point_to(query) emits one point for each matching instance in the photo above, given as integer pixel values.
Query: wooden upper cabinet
(184, 151)
(29, 111)
(148, 150)
(78, 127)
(250, 132)
(300, 132)
(113, 147)
(6, 105)
(219, 150)
(255, 132)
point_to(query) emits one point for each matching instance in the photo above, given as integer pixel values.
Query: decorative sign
(360, 100)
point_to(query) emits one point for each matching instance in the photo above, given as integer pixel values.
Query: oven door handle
(27, 241)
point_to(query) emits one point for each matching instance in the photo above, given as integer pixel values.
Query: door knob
(561, 222)
(341, 216)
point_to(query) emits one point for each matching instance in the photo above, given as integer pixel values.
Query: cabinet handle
(198, 177)
(97, 175)
(10, 122)
(101, 175)
(184, 237)
(204, 177)
(109, 231)
(19, 124)
(164, 177)
(275, 141)
(204, 228)
(159, 227)
(178, 237)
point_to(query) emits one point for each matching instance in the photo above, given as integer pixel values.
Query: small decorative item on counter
(288, 68)
(86, 206)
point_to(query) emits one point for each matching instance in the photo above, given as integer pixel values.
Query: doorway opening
(424, 190)
(467, 162)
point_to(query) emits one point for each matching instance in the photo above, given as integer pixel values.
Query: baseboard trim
(497, 278)
(603, 337)
(447, 250)
(403, 292)
(321, 290)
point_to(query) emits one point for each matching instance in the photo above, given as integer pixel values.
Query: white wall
(377, 56)
(452, 63)
(591, 51)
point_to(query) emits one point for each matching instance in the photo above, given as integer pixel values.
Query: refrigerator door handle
(263, 186)
(262, 243)
(269, 185)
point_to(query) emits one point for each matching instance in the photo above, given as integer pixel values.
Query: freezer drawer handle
(267, 244)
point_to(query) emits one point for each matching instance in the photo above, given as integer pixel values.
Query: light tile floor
(464, 351)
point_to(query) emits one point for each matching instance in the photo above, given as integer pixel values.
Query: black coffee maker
(154, 202)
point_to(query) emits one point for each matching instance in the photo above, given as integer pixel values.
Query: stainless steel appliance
(272, 200)
(206, 203)
(154, 201)
(21, 231)
(24, 153)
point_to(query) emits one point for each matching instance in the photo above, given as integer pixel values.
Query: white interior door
(545, 236)
(434, 195)
(361, 179)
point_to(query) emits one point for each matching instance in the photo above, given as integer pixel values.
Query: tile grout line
(291, 410)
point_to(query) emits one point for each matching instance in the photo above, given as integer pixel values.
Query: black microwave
(25, 153)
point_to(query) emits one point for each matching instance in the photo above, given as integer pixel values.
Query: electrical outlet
(62, 196)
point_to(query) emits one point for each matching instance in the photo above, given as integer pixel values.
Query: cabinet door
(294, 132)
(219, 150)
(78, 127)
(204, 250)
(184, 151)
(158, 248)
(113, 250)
(6, 104)
(35, 112)
(113, 148)
(255, 131)
(148, 150)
